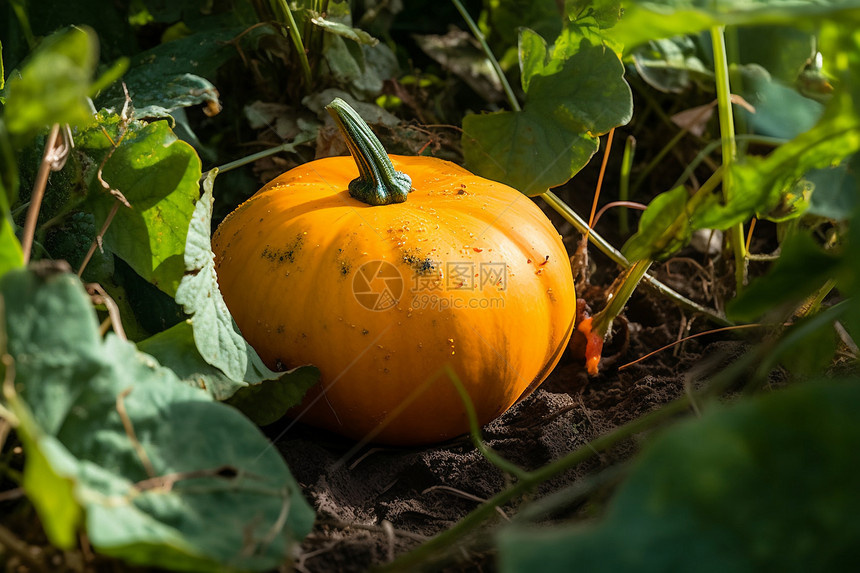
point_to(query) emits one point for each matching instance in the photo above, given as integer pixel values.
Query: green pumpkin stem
(378, 183)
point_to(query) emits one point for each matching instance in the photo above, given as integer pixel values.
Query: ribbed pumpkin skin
(286, 260)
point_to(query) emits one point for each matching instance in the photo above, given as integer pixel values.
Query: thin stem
(288, 147)
(706, 151)
(730, 149)
(473, 520)
(38, 193)
(606, 248)
(600, 177)
(624, 184)
(602, 323)
(475, 430)
(98, 238)
(282, 9)
(506, 86)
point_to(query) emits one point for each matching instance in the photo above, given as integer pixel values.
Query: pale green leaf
(222, 500)
(223, 361)
(355, 34)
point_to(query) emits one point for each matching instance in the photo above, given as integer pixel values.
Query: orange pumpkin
(383, 270)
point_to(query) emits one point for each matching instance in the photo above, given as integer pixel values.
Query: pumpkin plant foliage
(207, 349)
(575, 92)
(152, 468)
(114, 444)
(672, 512)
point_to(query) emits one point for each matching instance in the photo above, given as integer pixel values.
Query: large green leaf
(208, 350)
(162, 475)
(771, 484)
(575, 92)
(158, 175)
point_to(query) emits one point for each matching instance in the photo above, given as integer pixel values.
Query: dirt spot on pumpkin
(286, 254)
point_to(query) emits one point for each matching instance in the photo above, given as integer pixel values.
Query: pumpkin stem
(378, 183)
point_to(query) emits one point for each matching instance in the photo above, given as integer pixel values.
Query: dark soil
(376, 503)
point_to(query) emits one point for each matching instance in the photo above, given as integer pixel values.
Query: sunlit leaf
(555, 135)
(158, 175)
(10, 249)
(770, 484)
(348, 32)
(653, 241)
(646, 21)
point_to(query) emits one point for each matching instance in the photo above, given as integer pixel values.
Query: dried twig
(166, 482)
(10, 494)
(50, 158)
(464, 495)
(100, 296)
(129, 431)
(21, 549)
(97, 241)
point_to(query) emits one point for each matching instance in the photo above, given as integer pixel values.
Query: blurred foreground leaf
(159, 474)
(771, 484)
(54, 83)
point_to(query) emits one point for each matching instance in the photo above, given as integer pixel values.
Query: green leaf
(525, 150)
(223, 361)
(158, 175)
(53, 85)
(802, 268)
(645, 21)
(652, 240)
(780, 111)
(834, 192)
(11, 256)
(769, 484)
(224, 500)
(605, 12)
(671, 64)
(158, 96)
(532, 56)
(263, 401)
(764, 183)
(339, 29)
(266, 402)
(555, 135)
